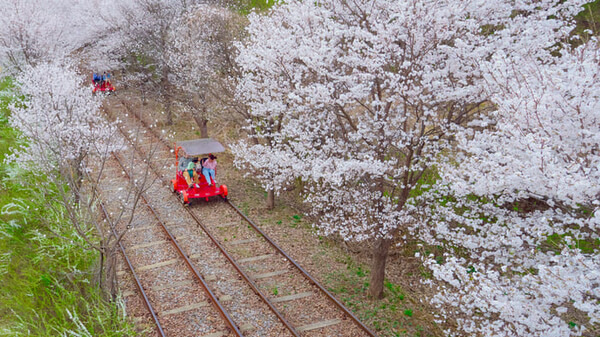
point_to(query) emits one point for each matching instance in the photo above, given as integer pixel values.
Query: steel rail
(304, 272)
(270, 241)
(130, 266)
(212, 296)
(244, 275)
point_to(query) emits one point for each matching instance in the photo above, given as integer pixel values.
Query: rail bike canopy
(198, 147)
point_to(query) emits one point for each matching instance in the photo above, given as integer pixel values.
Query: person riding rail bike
(190, 173)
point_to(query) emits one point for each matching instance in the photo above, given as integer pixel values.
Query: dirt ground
(343, 268)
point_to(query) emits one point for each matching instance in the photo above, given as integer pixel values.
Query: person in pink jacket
(208, 169)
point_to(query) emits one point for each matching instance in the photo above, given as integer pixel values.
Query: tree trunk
(168, 112)
(143, 95)
(380, 254)
(254, 137)
(202, 124)
(75, 175)
(166, 93)
(112, 276)
(101, 272)
(204, 129)
(270, 199)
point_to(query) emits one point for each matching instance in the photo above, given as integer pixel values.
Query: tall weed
(46, 275)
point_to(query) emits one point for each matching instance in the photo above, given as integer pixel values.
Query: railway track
(177, 298)
(298, 301)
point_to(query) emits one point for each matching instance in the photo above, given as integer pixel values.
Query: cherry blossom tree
(202, 61)
(262, 156)
(148, 26)
(64, 137)
(524, 206)
(41, 31)
(358, 99)
(105, 44)
(361, 99)
(61, 119)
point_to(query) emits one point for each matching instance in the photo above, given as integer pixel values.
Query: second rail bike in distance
(102, 83)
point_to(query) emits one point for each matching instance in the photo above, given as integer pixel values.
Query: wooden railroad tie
(291, 297)
(271, 274)
(228, 224)
(146, 245)
(241, 242)
(214, 334)
(157, 265)
(318, 325)
(184, 309)
(256, 258)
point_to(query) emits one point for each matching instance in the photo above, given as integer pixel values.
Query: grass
(296, 219)
(247, 6)
(46, 282)
(392, 316)
(7, 135)
(588, 18)
(555, 243)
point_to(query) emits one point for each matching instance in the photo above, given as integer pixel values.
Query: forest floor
(341, 267)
